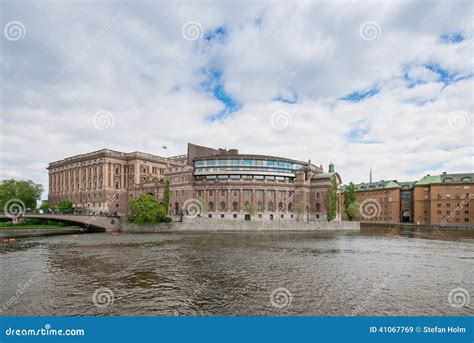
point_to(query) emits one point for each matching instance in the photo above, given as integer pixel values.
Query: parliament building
(212, 183)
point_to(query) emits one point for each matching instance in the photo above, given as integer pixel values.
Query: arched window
(290, 207)
(318, 207)
(235, 206)
(210, 206)
(280, 207)
(259, 206)
(222, 205)
(270, 206)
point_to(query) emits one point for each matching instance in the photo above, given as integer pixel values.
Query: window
(270, 206)
(222, 192)
(235, 193)
(210, 206)
(318, 207)
(235, 216)
(259, 206)
(209, 215)
(235, 206)
(222, 205)
(280, 206)
(317, 195)
(222, 216)
(290, 208)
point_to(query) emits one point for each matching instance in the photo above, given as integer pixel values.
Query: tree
(45, 206)
(251, 209)
(352, 210)
(20, 191)
(349, 200)
(145, 209)
(166, 195)
(301, 208)
(330, 200)
(65, 206)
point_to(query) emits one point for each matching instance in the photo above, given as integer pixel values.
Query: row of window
(246, 192)
(455, 212)
(258, 169)
(243, 176)
(449, 204)
(248, 163)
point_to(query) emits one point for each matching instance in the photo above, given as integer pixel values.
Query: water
(316, 273)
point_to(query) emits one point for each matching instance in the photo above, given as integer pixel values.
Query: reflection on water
(310, 273)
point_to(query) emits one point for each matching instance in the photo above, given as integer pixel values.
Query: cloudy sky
(387, 85)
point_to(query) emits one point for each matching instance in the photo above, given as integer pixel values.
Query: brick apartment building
(445, 199)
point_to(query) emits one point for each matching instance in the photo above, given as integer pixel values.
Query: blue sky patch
(359, 130)
(213, 84)
(452, 38)
(218, 35)
(359, 96)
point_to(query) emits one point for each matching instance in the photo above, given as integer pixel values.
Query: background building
(216, 183)
(445, 199)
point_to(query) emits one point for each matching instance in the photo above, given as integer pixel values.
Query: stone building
(216, 183)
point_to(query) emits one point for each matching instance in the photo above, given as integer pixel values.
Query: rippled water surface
(318, 273)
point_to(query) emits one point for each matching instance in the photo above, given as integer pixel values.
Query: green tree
(65, 206)
(27, 192)
(352, 211)
(330, 200)
(44, 205)
(145, 209)
(251, 209)
(166, 195)
(301, 207)
(349, 200)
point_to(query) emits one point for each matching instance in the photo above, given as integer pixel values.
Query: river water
(306, 273)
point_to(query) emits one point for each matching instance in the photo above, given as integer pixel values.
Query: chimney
(331, 167)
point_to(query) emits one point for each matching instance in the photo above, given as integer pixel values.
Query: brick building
(445, 199)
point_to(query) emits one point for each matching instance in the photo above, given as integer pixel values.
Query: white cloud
(131, 59)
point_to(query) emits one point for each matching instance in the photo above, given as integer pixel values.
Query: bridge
(107, 223)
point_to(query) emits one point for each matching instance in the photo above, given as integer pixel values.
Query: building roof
(322, 176)
(426, 180)
(406, 185)
(371, 186)
(462, 177)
